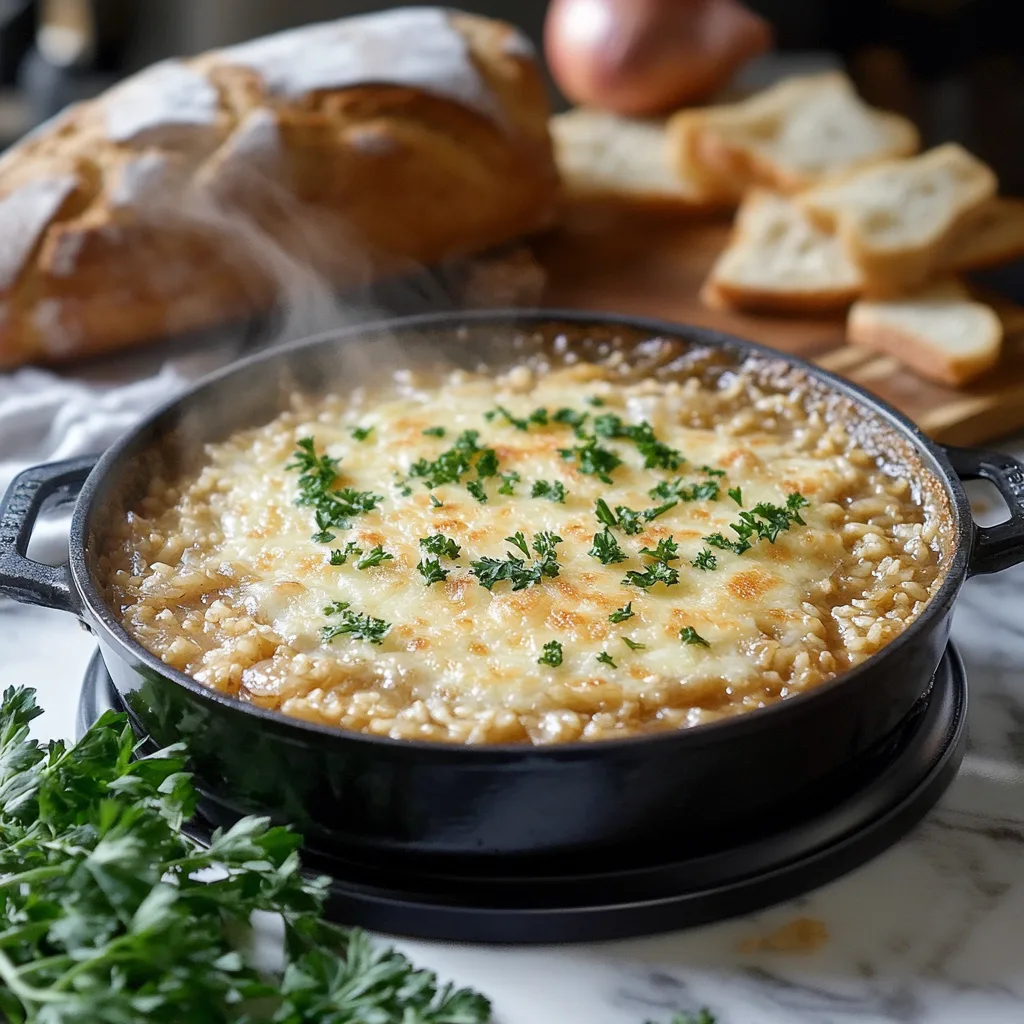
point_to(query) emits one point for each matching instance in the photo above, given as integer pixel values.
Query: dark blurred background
(955, 66)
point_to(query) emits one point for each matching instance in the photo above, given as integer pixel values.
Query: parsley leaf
(606, 659)
(538, 416)
(360, 627)
(431, 571)
(572, 418)
(656, 572)
(373, 558)
(705, 560)
(632, 644)
(110, 913)
(552, 654)
(690, 636)
(621, 614)
(439, 544)
(595, 400)
(334, 510)
(340, 557)
(476, 488)
(609, 425)
(487, 463)
(514, 570)
(546, 489)
(629, 520)
(604, 513)
(451, 465)
(657, 454)
(666, 551)
(436, 502)
(362, 433)
(605, 548)
(680, 490)
(711, 471)
(736, 494)
(508, 482)
(592, 459)
(764, 521)
(434, 432)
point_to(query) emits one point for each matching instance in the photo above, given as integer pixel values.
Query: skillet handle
(20, 578)
(995, 547)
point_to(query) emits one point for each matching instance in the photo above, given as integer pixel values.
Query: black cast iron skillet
(361, 796)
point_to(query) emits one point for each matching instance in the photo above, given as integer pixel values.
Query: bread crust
(178, 225)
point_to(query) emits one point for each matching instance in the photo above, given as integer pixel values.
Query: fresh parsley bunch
(109, 915)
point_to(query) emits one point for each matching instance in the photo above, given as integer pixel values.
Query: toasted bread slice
(991, 236)
(940, 333)
(791, 136)
(897, 218)
(599, 153)
(778, 261)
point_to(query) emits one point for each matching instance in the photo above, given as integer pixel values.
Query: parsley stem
(10, 975)
(35, 875)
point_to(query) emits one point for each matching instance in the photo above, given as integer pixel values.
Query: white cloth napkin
(48, 416)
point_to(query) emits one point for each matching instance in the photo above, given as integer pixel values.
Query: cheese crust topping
(541, 556)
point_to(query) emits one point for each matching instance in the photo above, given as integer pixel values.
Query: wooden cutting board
(623, 258)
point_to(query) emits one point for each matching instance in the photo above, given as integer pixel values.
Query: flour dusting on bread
(25, 214)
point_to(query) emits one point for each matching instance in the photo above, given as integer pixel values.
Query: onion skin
(642, 57)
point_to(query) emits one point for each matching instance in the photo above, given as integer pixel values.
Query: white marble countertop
(931, 932)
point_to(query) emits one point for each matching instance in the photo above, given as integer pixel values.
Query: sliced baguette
(778, 261)
(940, 333)
(602, 154)
(991, 236)
(791, 136)
(897, 218)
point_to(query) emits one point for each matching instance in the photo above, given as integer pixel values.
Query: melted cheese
(777, 618)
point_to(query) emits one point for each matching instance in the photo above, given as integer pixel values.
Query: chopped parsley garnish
(572, 418)
(606, 659)
(657, 454)
(680, 490)
(632, 644)
(554, 491)
(487, 463)
(431, 571)
(552, 654)
(451, 465)
(736, 494)
(508, 482)
(604, 513)
(514, 570)
(705, 560)
(434, 432)
(595, 401)
(711, 471)
(626, 519)
(592, 459)
(362, 433)
(606, 548)
(609, 425)
(666, 551)
(519, 540)
(621, 614)
(360, 627)
(439, 544)
(402, 486)
(436, 502)
(334, 509)
(538, 416)
(764, 521)
(477, 489)
(690, 636)
(373, 558)
(340, 556)
(629, 520)
(656, 572)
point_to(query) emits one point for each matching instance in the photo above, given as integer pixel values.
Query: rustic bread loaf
(201, 189)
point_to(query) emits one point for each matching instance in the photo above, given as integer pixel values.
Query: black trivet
(652, 891)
